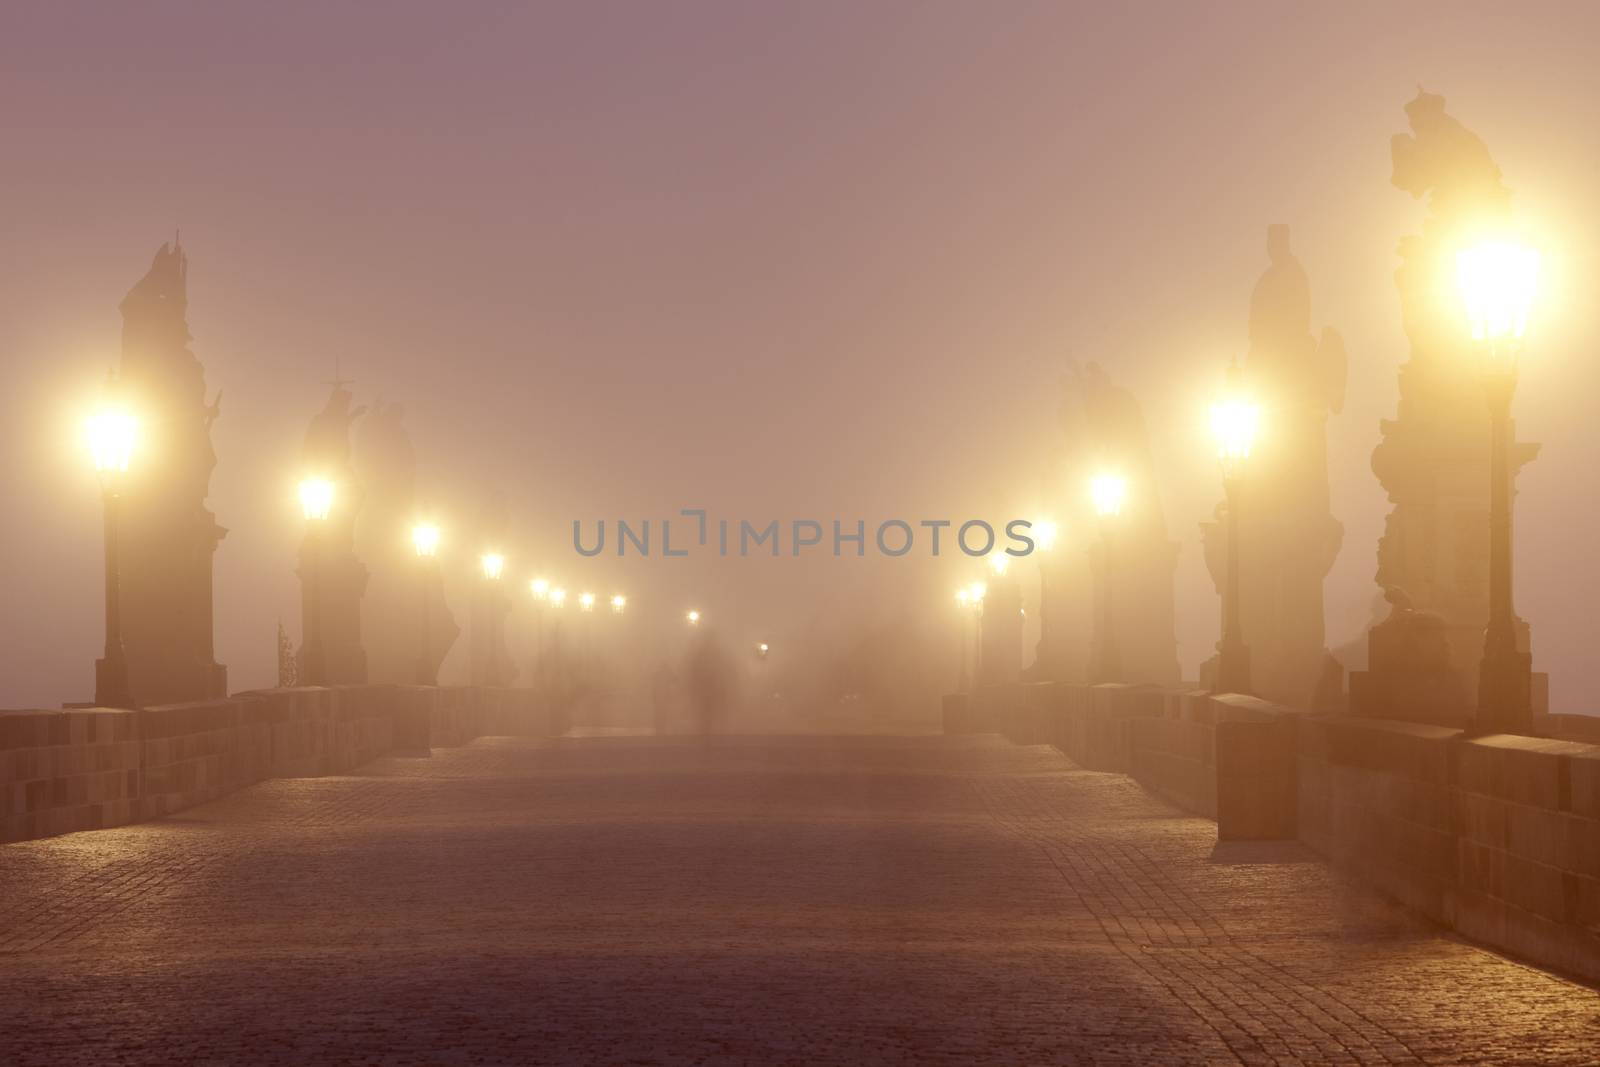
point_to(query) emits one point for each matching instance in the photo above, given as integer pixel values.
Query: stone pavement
(762, 901)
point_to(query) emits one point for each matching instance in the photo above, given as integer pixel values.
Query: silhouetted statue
(340, 580)
(168, 537)
(491, 659)
(391, 612)
(1288, 538)
(1106, 430)
(1434, 456)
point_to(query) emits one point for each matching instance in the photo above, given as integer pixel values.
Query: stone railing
(1497, 837)
(88, 768)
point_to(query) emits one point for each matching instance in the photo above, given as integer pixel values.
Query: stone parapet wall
(1497, 837)
(89, 768)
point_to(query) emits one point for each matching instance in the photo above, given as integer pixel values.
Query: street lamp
(558, 597)
(540, 588)
(425, 539)
(619, 604)
(316, 503)
(1233, 423)
(491, 565)
(585, 601)
(112, 435)
(966, 605)
(1497, 282)
(693, 617)
(1107, 492)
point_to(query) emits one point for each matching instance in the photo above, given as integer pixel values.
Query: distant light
(493, 563)
(963, 597)
(998, 562)
(586, 601)
(693, 617)
(540, 588)
(425, 539)
(316, 499)
(112, 435)
(1108, 491)
(977, 591)
(1497, 286)
(619, 604)
(1044, 534)
(763, 647)
(1233, 424)
(558, 597)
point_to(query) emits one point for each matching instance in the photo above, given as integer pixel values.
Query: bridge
(497, 896)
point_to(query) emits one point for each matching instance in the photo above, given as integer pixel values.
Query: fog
(821, 261)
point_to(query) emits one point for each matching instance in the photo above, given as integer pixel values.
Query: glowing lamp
(619, 604)
(112, 436)
(976, 592)
(1497, 285)
(963, 597)
(539, 588)
(1233, 424)
(558, 597)
(998, 562)
(492, 563)
(586, 601)
(1045, 532)
(425, 539)
(693, 617)
(1108, 492)
(316, 499)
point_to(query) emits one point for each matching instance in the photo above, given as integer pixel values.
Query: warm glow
(558, 597)
(977, 591)
(316, 498)
(540, 588)
(762, 647)
(1108, 492)
(586, 601)
(1233, 424)
(963, 597)
(1044, 534)
(619, 603)
(693, 617)
(1497, 285)
(112, 435)
(425, 538)
(998, 562)
(493, 563)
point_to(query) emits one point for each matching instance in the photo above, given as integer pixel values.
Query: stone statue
(167, 535)
(1105, 428)
(340, 579)
(391, 612)
(1433, 459)
(1288, 537)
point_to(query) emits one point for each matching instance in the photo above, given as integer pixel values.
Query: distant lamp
(585, 601)
(963, 597)
(1497, 282)
(619, 604)
(558, 597)
(539, 588)
(762, 649)
(493, 563)
(1045, 532)
(693, 617)
(998, 562)
(1108, 492)
(112, 435)
(1233, 424)
(977, 591)
(425, 539)
(316, 499)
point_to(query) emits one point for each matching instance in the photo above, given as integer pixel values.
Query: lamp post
(1107, 491)
(1497, 285)
(316, 502)
(540, 588)
(1233, 422)
(692, 617)
(112, 436)
(425, 539)
(1045, 533)
(491, 565)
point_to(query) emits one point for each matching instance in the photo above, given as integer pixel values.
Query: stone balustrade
(1497, 837)
(88, 768)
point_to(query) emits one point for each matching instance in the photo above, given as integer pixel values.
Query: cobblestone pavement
(763, 901)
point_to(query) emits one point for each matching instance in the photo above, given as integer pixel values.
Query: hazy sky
(819, 259)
